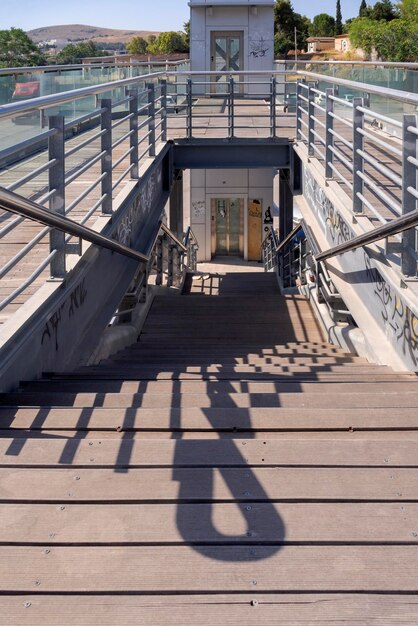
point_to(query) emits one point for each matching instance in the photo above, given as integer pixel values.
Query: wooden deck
(231, 466)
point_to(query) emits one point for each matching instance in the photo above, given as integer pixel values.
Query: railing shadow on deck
(244, 486)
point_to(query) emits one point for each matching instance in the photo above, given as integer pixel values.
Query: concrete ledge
(382, 303)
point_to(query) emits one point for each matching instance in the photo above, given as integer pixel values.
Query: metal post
(163, 110)
(409, 202)
(178, 254)
(57, 200)
(329, 137)
(106, 147)
(170, 265)
(159, 255)
(273, 91)
(231, 108)
(189, 109)
(311, 119)
(358, 162)
(133, 127)
(298, 111)
(151, 116)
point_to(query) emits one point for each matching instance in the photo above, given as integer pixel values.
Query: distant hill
(83, 32)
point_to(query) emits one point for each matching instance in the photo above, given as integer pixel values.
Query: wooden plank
(211, 435)
(230, 610)
(241, 523)
(209, 569)
(62, 485)
(226, 453)
(207, 420)
(235, 400)
(225, 387)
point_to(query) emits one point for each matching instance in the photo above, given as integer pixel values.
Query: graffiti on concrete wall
(336, 226)
(398, 319)
(140, 208)
(198, 208)
(65, 312)
(258, 48)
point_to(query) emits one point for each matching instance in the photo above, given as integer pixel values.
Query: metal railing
(372, 156)
(298, 254)
(86, 159)
(180, 256)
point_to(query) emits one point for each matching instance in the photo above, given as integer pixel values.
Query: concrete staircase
(231, 465)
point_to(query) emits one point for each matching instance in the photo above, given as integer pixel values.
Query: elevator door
(227, 54)
(228, 226)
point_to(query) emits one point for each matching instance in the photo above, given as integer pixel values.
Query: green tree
(323, 25)
(363, 9)
(363, 33)
(285, 22)
(408, 10)
(338, 19)
(186, 37)
(73, 53)
(383, 10)
(18, 50)
(137, 45)
(168, 42)
(397, 41)
(347, 24)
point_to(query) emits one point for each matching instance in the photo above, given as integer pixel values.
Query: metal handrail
(188, 236)
(44, 102)
(21, 206)
(173, 237)
(14, 203)
(390, 64)
(398, 225)
(397, 94)
(6, 71)
(288, 238)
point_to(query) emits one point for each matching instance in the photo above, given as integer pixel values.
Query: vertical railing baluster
(106, 148)
(311, 118)
(358, 161)
(298, 110)
(231, 108)
(189, 109)
(163, 109)
(170, 265)
(273, 93)
(329, 137)
(57, 200)
(151, 118)
(159, 261)
(409, 202)
(133, 127)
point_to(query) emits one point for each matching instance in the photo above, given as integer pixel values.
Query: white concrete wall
(253, 184)
(384, 308)
(255, 22)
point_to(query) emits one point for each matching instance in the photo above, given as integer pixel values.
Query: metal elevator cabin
(190, 435)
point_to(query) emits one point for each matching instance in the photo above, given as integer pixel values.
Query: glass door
(227, 55)
(228, 226)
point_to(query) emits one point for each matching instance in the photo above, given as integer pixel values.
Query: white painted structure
(228, 208)
(232, 35)
(252, 187)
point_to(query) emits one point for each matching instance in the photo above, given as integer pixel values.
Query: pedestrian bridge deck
(210, 121)
(231, 465)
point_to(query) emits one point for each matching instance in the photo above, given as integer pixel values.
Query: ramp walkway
(231, 465)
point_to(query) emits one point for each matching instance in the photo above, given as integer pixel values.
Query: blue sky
(129, 14)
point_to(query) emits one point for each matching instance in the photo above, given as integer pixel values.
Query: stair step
(338, 452)
(240, 400)
(224, 387)
(259, 420)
